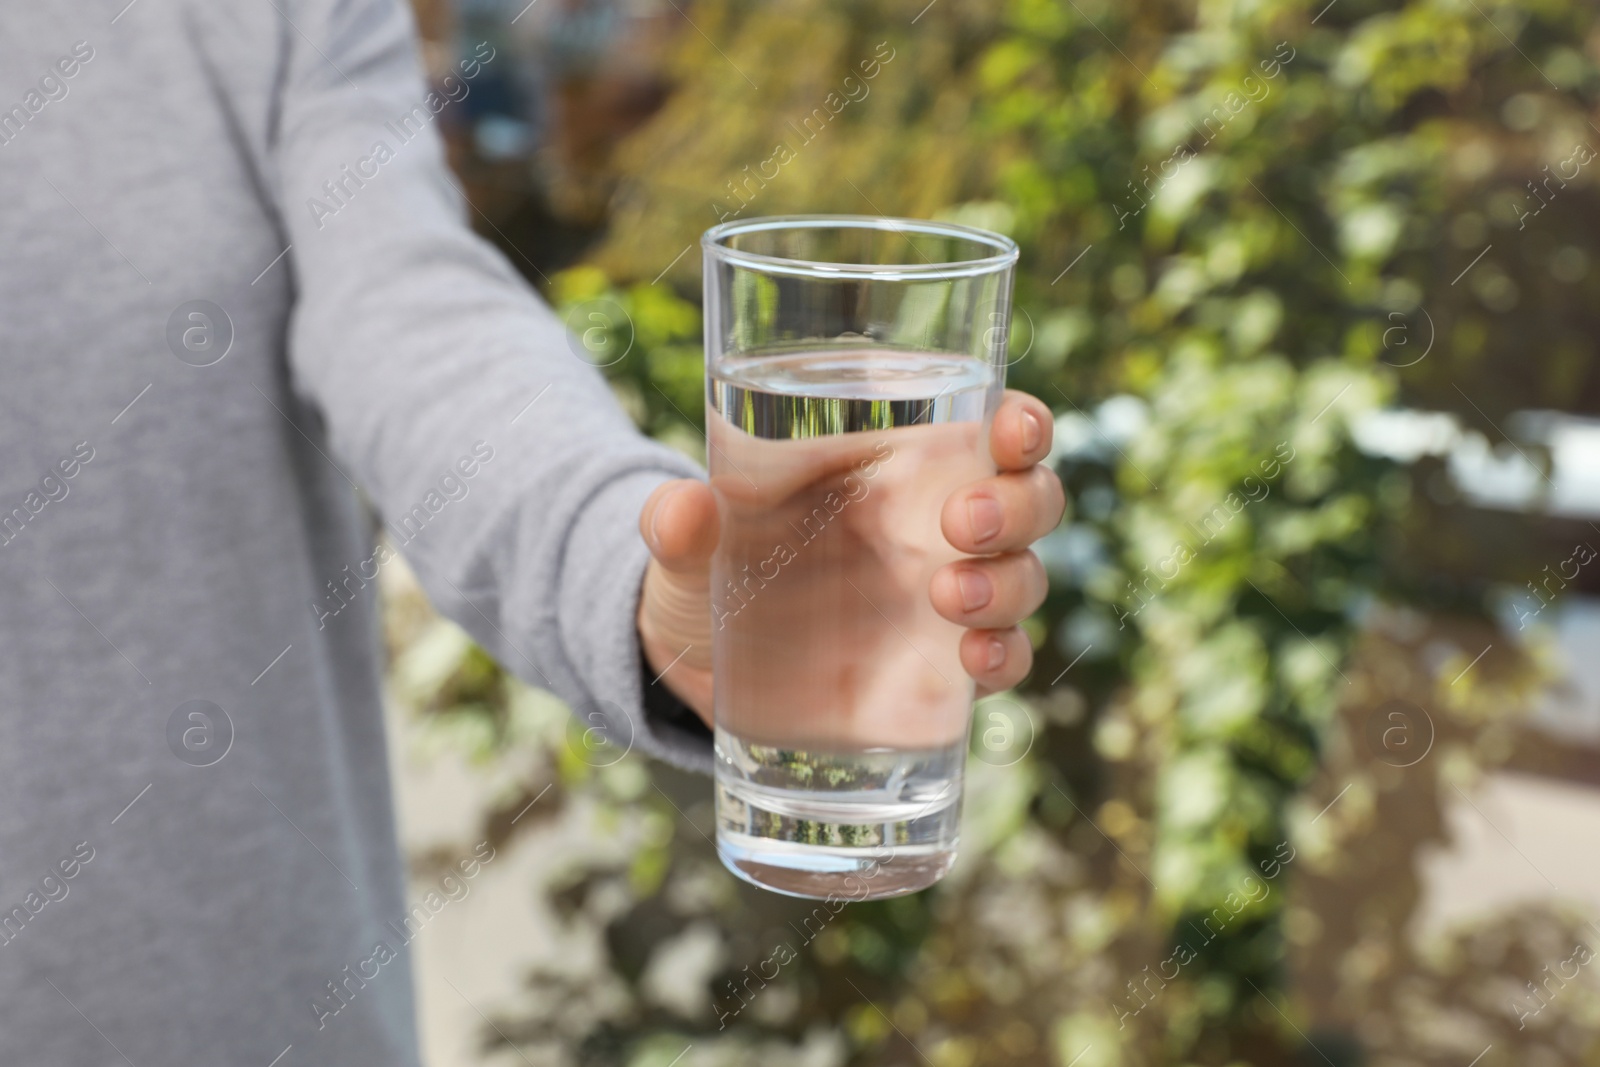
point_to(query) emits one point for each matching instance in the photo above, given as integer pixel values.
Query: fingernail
(997, 654)
(976, 589)
(655, 518)
(1032, 432)
(983, 515)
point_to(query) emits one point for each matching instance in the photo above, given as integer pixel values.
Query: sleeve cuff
(601, 579)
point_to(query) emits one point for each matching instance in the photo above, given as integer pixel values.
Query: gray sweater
(236, 284)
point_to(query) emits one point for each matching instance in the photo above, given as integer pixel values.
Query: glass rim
(713, 243)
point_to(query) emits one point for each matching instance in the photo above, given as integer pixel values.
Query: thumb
(679, 523)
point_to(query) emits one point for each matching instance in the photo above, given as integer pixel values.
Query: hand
(995, 519)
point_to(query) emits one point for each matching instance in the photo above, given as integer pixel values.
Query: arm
(421, 346)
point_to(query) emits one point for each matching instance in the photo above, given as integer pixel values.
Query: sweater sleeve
(497, 458)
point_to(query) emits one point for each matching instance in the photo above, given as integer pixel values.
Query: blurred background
(1308, 770)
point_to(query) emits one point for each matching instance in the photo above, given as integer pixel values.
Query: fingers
(988, 593)
(1022, 431)
(999, 518)
(1006, 513)
(679, 523)
(996, 659)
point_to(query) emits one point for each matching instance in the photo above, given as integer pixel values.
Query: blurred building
(532, 138)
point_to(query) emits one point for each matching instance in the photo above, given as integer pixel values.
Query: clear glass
(853, 366)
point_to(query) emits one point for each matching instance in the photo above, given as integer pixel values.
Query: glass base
(837, 825)
(814, 873)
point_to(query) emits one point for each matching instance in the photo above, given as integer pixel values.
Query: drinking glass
(853, 367)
